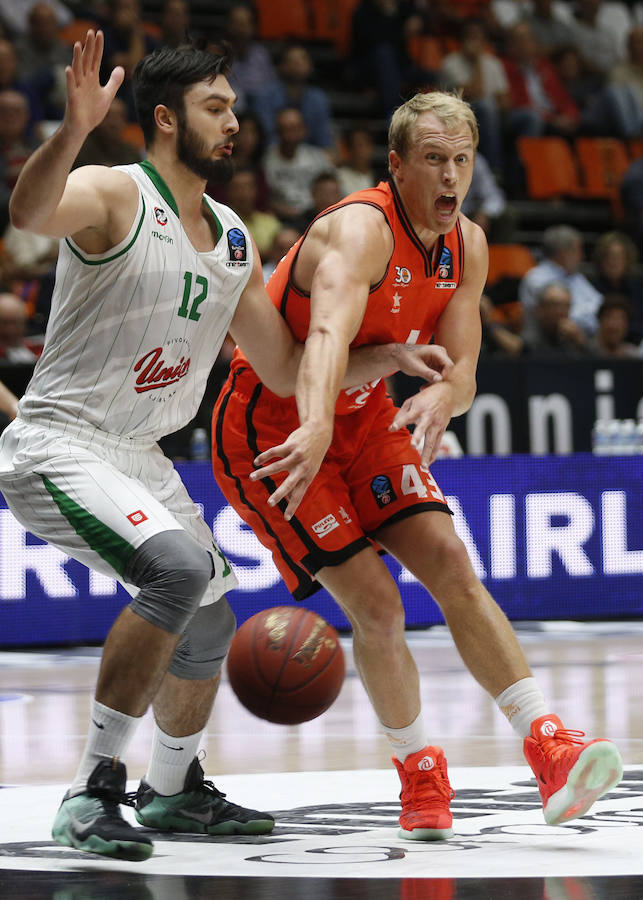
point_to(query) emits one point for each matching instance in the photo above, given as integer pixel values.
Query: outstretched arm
(46, 199)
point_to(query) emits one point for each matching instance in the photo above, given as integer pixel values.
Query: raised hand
(88, 100)
(300, 455)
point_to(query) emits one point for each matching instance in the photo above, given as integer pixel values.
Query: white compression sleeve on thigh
(521, 703)
(405, 741)
(170, 761)
(110, 733)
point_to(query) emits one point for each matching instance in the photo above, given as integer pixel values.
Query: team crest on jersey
(237, 248)
(161, 215)
(383, 490)
(445, 270)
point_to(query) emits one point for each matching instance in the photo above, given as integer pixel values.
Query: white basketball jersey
(134, 332)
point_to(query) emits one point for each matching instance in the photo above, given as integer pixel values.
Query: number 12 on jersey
(187, 310)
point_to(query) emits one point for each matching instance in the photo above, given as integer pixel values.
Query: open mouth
(446, 203)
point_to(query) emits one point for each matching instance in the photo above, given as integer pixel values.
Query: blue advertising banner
(552, 537)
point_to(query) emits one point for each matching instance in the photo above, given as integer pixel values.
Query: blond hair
(449, 108)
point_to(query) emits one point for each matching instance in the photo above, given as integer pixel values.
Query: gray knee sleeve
(202, 649)
(172, 571)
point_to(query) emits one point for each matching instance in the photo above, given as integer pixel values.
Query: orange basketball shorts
(370, 477)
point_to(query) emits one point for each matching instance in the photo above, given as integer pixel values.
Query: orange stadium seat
(550, 167)
(333, 22)
(284, 18)
(133, 134)
(509, 260)
(76, 30)
(603, 162)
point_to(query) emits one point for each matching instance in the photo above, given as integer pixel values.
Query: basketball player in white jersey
(151, 276)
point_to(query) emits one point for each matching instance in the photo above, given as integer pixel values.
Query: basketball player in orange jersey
(398, 262)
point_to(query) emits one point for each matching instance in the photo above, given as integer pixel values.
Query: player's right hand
(428, 361)
(88, 100)
(300, 455)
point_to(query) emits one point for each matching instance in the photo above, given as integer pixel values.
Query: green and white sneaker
(92, 821)
(200, 808)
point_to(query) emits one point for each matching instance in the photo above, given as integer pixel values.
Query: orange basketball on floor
(286, 665)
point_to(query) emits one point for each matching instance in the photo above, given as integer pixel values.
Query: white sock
(170, 760)
(521, 703)
(110, 733)
(405, 741)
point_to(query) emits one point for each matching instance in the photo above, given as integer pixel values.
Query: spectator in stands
(563, 251)
(15, 347)
(27, 269)
(584, 87)
(625, 90)
(104, 146)
(42, 57)
(486, 204)
(615, 258)
(551, 331)
(242, 197)
(16, 145)
(8, 406)
(174, 22)
(356, 173)
(538, 101)
(597, 42)
(552, 30)
(482, 78)
(610, 339)
(379, 56)
(292, 165)
(325, 191)
(500, 336)
(10, 80)
(252, 69)
(14, 14)
(283, 241)
(127, 40)
(292, 90)
(632, 197)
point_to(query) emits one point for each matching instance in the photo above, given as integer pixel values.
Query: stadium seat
(603, 162)
(283, 19)
(133, 134)
(635, 148)
(76, 30)
(550, 167)
(508, 261)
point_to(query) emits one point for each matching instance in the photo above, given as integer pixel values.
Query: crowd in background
(528, 67)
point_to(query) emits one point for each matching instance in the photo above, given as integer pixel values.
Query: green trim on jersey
(167, 195)
(106, 259)
(160, 185)
(110, 546)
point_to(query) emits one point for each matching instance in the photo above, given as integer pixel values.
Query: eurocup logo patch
(445, 270)
(237, 247)
(383, 490)
(161, 215)
(445, 266)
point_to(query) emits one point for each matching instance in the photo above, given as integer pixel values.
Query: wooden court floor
(592, 673)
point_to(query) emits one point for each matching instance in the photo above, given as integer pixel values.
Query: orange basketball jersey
(403, 307)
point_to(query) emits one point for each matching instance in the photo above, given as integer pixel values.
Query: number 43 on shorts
(421, 483)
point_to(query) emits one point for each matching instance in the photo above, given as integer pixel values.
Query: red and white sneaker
(425, 796)
(571, 773)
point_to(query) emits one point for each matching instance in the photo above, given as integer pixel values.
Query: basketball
(286, 665)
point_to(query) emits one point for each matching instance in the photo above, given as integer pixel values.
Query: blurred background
(544, 473)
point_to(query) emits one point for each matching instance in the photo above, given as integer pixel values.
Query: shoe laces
(210, 788)
(556, 747)
(425, 787)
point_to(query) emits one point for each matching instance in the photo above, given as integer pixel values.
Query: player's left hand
(300, 455)
(430, 412)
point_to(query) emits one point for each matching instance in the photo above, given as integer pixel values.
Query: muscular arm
(342, 256)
